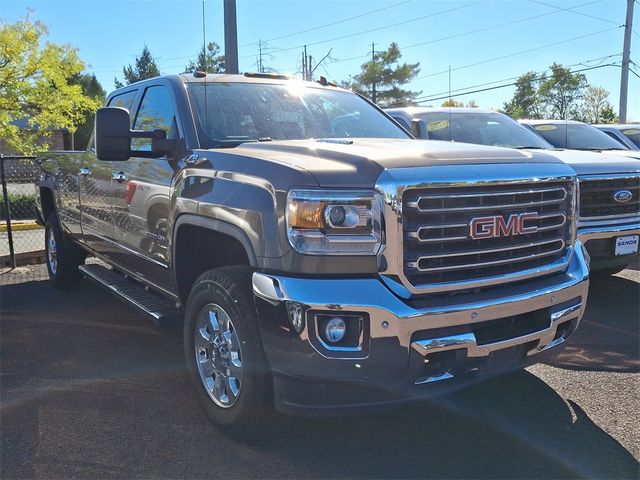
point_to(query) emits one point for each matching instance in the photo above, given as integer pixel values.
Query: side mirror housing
(113, 137)
(419, 129)
(113, 134)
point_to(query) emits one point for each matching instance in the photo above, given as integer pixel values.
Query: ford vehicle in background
(609, 206)
(628, 135)
(322, 260)
(574, 135)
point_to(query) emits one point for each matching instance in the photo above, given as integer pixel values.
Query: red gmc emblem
(497, 226)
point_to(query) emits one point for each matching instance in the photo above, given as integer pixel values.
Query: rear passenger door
(141, 191)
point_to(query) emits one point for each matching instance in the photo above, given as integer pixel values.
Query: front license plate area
(627, 245)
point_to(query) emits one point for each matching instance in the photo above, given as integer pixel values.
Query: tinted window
(633, 134)
(577, 136)
(402, 121)
(124, 100)
(232, 113)
(480, 128)
(156, 111)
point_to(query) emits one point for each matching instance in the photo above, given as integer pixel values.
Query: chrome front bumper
(593, 233)
(400, 331)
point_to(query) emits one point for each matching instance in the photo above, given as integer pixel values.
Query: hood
(624, 153)
(592, 163)
(359, 162)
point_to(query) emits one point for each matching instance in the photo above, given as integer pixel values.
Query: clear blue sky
(481, 40)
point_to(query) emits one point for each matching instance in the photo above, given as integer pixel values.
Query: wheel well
(47, 202)
(197, 250)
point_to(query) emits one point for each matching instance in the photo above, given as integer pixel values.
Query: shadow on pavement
(91, 389)
(608, 339)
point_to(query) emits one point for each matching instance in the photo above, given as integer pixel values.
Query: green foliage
(145, 67)
(554, 95)
(526, 102)
(22, 205)
(596, 107)
(387, 75)
(562, 91)
(36, 83)
(452, 102)
(92, 88)
(209, 60)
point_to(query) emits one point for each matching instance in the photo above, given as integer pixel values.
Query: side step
(151, 305)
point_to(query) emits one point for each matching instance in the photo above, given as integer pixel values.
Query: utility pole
(626, 52)
(373, 59)
(309, 64)
(305, 67)
(230, 37)
(260, 68)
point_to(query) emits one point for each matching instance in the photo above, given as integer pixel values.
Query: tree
(596, 106)
(526, 101)
(145, 67)
(209, 60)
(90, 87)
(452, 102)
(381, 78)
(608, 114)
(36, 83)
(562, 91)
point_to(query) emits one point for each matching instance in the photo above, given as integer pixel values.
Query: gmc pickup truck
(321, 259)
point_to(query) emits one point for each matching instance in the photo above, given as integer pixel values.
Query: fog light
(295, 311)
(335, 330)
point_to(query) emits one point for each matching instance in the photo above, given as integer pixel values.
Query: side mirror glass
(419, 129)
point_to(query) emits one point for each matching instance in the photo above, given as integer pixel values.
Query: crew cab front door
(141, 186)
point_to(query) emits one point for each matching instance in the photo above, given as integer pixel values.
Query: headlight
(334, 222)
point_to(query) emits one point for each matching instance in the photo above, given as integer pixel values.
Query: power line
(464, 89)
(571, 10)
(470, 92)
(492, 27)
(330, 24)
(502, 57)
(384, 27)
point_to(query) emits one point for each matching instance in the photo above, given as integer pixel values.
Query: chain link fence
(21, 238)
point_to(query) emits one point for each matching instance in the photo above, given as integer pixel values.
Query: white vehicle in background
(576, 135)
(627, 134)
(609, 199)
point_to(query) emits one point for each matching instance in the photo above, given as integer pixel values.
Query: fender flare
(216, 226)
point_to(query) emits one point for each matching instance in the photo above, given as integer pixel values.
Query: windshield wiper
(531, 147)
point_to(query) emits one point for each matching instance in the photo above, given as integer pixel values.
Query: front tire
(224, 353)
(63, 257)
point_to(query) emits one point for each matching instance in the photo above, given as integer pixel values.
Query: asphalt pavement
(91, 389)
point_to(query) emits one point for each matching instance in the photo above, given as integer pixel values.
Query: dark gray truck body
(164, 221)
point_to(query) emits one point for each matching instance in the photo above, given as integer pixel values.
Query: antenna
(204, 57)
(450, 136)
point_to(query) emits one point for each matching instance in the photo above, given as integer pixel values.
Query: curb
(20, 226)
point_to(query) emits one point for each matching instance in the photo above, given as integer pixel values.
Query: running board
(153, 307)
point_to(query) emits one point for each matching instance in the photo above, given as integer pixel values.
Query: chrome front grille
(597, 197)
(439, 249)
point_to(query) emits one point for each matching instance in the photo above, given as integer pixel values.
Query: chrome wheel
(52, 256)
(218, 355)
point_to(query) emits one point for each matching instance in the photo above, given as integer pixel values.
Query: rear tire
(224, 353)
(63, 256)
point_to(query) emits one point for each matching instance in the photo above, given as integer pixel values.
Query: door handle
(119, 177)
(84, 171)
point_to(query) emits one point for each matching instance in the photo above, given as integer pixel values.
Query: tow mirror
(419, 129)
(113, 137)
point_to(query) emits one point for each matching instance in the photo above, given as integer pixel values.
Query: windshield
(579, 136)
(481, 128)
(232, 113)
